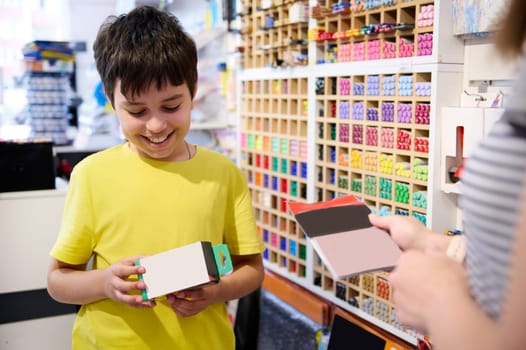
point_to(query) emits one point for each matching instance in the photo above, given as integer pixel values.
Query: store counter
(30, 218)
(29, 318)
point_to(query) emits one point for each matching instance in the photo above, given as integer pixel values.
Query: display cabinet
(361, 117)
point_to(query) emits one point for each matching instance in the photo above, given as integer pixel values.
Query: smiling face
(156, 121)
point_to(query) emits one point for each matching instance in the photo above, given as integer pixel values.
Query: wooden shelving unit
(360, 118)
(272, 35)
(394, 32)
(274, 143)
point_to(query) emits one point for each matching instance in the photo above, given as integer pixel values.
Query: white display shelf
(273, 122)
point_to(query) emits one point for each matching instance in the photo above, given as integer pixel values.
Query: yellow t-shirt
(120, 205)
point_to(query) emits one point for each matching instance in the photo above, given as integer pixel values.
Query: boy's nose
(155, 124)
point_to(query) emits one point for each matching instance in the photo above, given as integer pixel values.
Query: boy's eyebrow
(171, 98)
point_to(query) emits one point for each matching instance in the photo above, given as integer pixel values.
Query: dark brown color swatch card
(342, 235)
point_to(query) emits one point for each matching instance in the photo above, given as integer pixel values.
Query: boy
(154, 193)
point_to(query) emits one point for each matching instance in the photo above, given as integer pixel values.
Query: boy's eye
(172, 109)
(136, 113)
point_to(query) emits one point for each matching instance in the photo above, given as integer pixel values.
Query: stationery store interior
(340, 117)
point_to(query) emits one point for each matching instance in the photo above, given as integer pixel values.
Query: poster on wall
(476, 17)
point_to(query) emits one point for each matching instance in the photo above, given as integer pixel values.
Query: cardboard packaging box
(189, 266)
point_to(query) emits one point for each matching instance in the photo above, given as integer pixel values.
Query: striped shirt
(491, 189)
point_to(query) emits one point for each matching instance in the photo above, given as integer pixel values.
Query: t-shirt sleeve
(241, 233)
(74, 244)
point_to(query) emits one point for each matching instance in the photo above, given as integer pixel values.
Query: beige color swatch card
(340, 232)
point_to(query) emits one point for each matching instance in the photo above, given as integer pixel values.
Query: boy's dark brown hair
(146, 46)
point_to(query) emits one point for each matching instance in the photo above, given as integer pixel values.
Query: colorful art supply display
(274, 156)
(374, 30)
(358, 120)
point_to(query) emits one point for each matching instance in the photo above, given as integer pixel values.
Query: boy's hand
(117, 284)
(192, 301)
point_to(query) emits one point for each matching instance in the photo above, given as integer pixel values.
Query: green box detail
(223, 259)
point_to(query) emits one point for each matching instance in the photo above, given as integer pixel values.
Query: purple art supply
(404, 113)
(372, 114)
(344, 107)
(387, 111)
(357, 111)
(358, 89)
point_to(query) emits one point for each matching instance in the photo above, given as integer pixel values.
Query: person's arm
(73, 284)
(512, 335)
(410, 234)
(247, 276)
(462, 325)
(431, 294)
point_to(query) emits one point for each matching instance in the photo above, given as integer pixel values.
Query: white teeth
(157, 139)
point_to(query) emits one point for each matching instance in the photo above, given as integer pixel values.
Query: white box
(181, 268)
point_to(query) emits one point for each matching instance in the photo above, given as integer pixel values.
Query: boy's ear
(195, 90)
